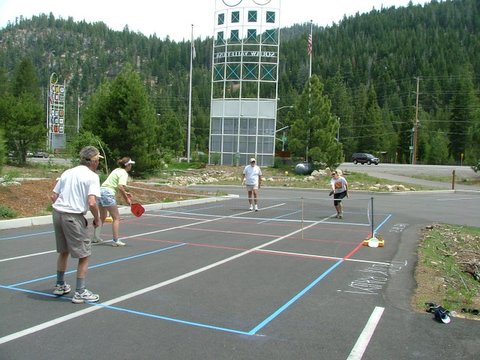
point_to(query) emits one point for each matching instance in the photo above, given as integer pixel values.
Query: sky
(175, 18)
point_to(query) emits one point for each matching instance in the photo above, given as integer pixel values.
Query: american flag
(310, 44)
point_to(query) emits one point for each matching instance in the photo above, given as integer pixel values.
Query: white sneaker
(97, 240)
(118, 243)
(61, 290)
(85, 296)
(251, 207)
(256, 207)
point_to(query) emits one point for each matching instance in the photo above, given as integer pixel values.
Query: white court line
(144, 234)
(457, 199)
(95, 307)
(366, 335)
(29, 255)
(289, 253)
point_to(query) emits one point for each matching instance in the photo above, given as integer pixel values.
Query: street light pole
(415, 134)
(285, 127)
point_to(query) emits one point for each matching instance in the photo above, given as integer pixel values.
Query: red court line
(260, 251)
(271, 235)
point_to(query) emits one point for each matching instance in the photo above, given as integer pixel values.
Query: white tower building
(244, 81)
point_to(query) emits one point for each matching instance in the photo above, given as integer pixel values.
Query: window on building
(250, 71)
(251, 35)
(252, 16)
(270, 17)
(220, 38)
(234, 36)
(221, 19)
(235, 16)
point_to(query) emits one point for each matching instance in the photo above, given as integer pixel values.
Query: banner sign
(56, 106)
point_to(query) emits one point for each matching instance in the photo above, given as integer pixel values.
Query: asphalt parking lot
(216, 281)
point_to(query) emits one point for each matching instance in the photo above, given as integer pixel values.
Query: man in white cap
(252, 177)
(74, 194)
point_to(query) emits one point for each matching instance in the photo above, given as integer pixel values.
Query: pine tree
(23, 113)
(122, 116)
(315, 128)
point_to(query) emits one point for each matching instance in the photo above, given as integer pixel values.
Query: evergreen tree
(3, 150)
(371, 133)
(437, 149)
(315, 128)
(337, 91)
(23, 113)
(172, 134)
(122, 116)
(463, 117)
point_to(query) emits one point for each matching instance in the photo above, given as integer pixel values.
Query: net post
(302, 217)
(371, 199)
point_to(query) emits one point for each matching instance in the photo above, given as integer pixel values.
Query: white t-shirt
(119, 176)
(252, 173)
(73, 189)
(339, 184)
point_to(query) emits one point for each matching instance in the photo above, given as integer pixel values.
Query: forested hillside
(370, 66)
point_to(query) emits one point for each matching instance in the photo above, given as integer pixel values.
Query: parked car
(38, 154)
(363, 158)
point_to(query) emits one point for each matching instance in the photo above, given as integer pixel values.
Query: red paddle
(137, 209)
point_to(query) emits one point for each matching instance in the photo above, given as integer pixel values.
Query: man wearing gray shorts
(74, 194)
(252, 177)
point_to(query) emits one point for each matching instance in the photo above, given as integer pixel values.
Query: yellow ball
(286, 172)
(108, 219)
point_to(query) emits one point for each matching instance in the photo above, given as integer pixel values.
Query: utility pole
(415, 127)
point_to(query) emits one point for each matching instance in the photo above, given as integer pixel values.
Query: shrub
(476, 168)
(6, 212)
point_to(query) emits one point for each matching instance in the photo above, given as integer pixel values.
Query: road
(405, 173)
(53, 160)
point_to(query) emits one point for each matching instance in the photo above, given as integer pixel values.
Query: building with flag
(244, 81)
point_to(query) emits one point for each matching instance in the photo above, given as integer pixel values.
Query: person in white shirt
(339, 191)
(75, 193)
(252, 177)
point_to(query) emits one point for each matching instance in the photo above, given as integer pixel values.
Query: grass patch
(7, 213)
(286, 177)
(30, 170)
(448, 269)
(448, 179)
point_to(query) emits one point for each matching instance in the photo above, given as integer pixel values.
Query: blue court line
(26, 235)
(103, 264)
(382, 223)
(69, 298)
(197, 324)
(207, 326)
(295, 298)
(11, 287)
(212, 327)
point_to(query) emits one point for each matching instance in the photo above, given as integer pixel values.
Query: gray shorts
(71, 234)
(252, 187)
(107, 197)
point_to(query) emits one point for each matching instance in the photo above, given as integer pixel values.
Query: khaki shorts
(252, 187)
(71, 234)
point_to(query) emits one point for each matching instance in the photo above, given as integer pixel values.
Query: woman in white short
(116, 182)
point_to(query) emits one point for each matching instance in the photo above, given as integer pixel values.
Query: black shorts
(337, 197)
